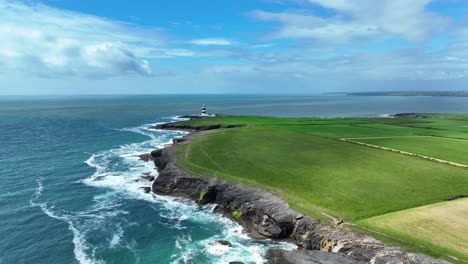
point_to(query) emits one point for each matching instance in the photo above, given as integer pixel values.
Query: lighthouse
(204, 113)
(203, 110)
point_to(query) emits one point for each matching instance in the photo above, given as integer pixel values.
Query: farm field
(420, 131)
(453, 125)
(340, 131)
(306, 162)
(443, 226)
(454, 150)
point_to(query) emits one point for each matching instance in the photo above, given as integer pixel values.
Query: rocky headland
(265, 215)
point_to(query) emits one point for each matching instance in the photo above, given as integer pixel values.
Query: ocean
(69, 175)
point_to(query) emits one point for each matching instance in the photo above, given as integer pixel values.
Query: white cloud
(359, 19)
(40, 40)
(400, 66)
(211, 42)
(323, 53)
(352, 43)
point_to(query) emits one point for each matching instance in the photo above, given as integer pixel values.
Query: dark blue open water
(52, 151)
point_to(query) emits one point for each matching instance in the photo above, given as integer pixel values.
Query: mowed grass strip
(442, 227)
(417, 130)
(310, 172)
(441, 148)
(460, 126)
(340, 131)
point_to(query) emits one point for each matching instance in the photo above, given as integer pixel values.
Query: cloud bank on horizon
(259, 46)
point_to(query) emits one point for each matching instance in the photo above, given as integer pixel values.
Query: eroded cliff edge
(267, 216)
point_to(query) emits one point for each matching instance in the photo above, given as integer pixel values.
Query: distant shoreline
(411, 93)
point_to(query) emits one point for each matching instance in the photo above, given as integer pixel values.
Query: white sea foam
(116, 237)
(39, 189)
(78, 224)
(386, 115)
(79, 241)
(184, 245)
(120, 169)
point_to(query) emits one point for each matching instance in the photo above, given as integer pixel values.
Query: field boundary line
(456, 139)
(407, 153)
(385, 137)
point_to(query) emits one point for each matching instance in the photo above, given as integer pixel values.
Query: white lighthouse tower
(204, 113)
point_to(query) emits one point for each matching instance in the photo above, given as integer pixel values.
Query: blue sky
(225, 46)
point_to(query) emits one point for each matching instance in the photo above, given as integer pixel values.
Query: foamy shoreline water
(118, 170)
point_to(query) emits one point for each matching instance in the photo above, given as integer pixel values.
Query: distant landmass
(413, 93)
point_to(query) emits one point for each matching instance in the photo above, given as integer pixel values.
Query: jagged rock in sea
(147, 177)
(224, 243)
(146, 189)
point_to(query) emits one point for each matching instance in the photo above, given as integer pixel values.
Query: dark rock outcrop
(145, 157)
(307, 257)
(407, 115)
(146, 189)
(308, 233)
(181, 126)
(267, 216)
(147, 177)
(224, 243)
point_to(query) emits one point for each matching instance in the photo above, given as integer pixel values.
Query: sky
(54, 47)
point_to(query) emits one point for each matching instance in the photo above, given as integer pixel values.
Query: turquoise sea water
(68, 176)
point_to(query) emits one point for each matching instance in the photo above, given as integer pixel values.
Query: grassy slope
(302, 160)
(351, 181)
(417, 225)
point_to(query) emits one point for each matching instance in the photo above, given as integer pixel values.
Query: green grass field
(304, 161)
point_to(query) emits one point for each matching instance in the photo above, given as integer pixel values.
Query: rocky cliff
(182, 126)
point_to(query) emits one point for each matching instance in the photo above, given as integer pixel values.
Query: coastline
(265, 215)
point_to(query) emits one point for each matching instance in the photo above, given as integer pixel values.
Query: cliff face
(307, 257)
(267, 216)
(179, 126)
